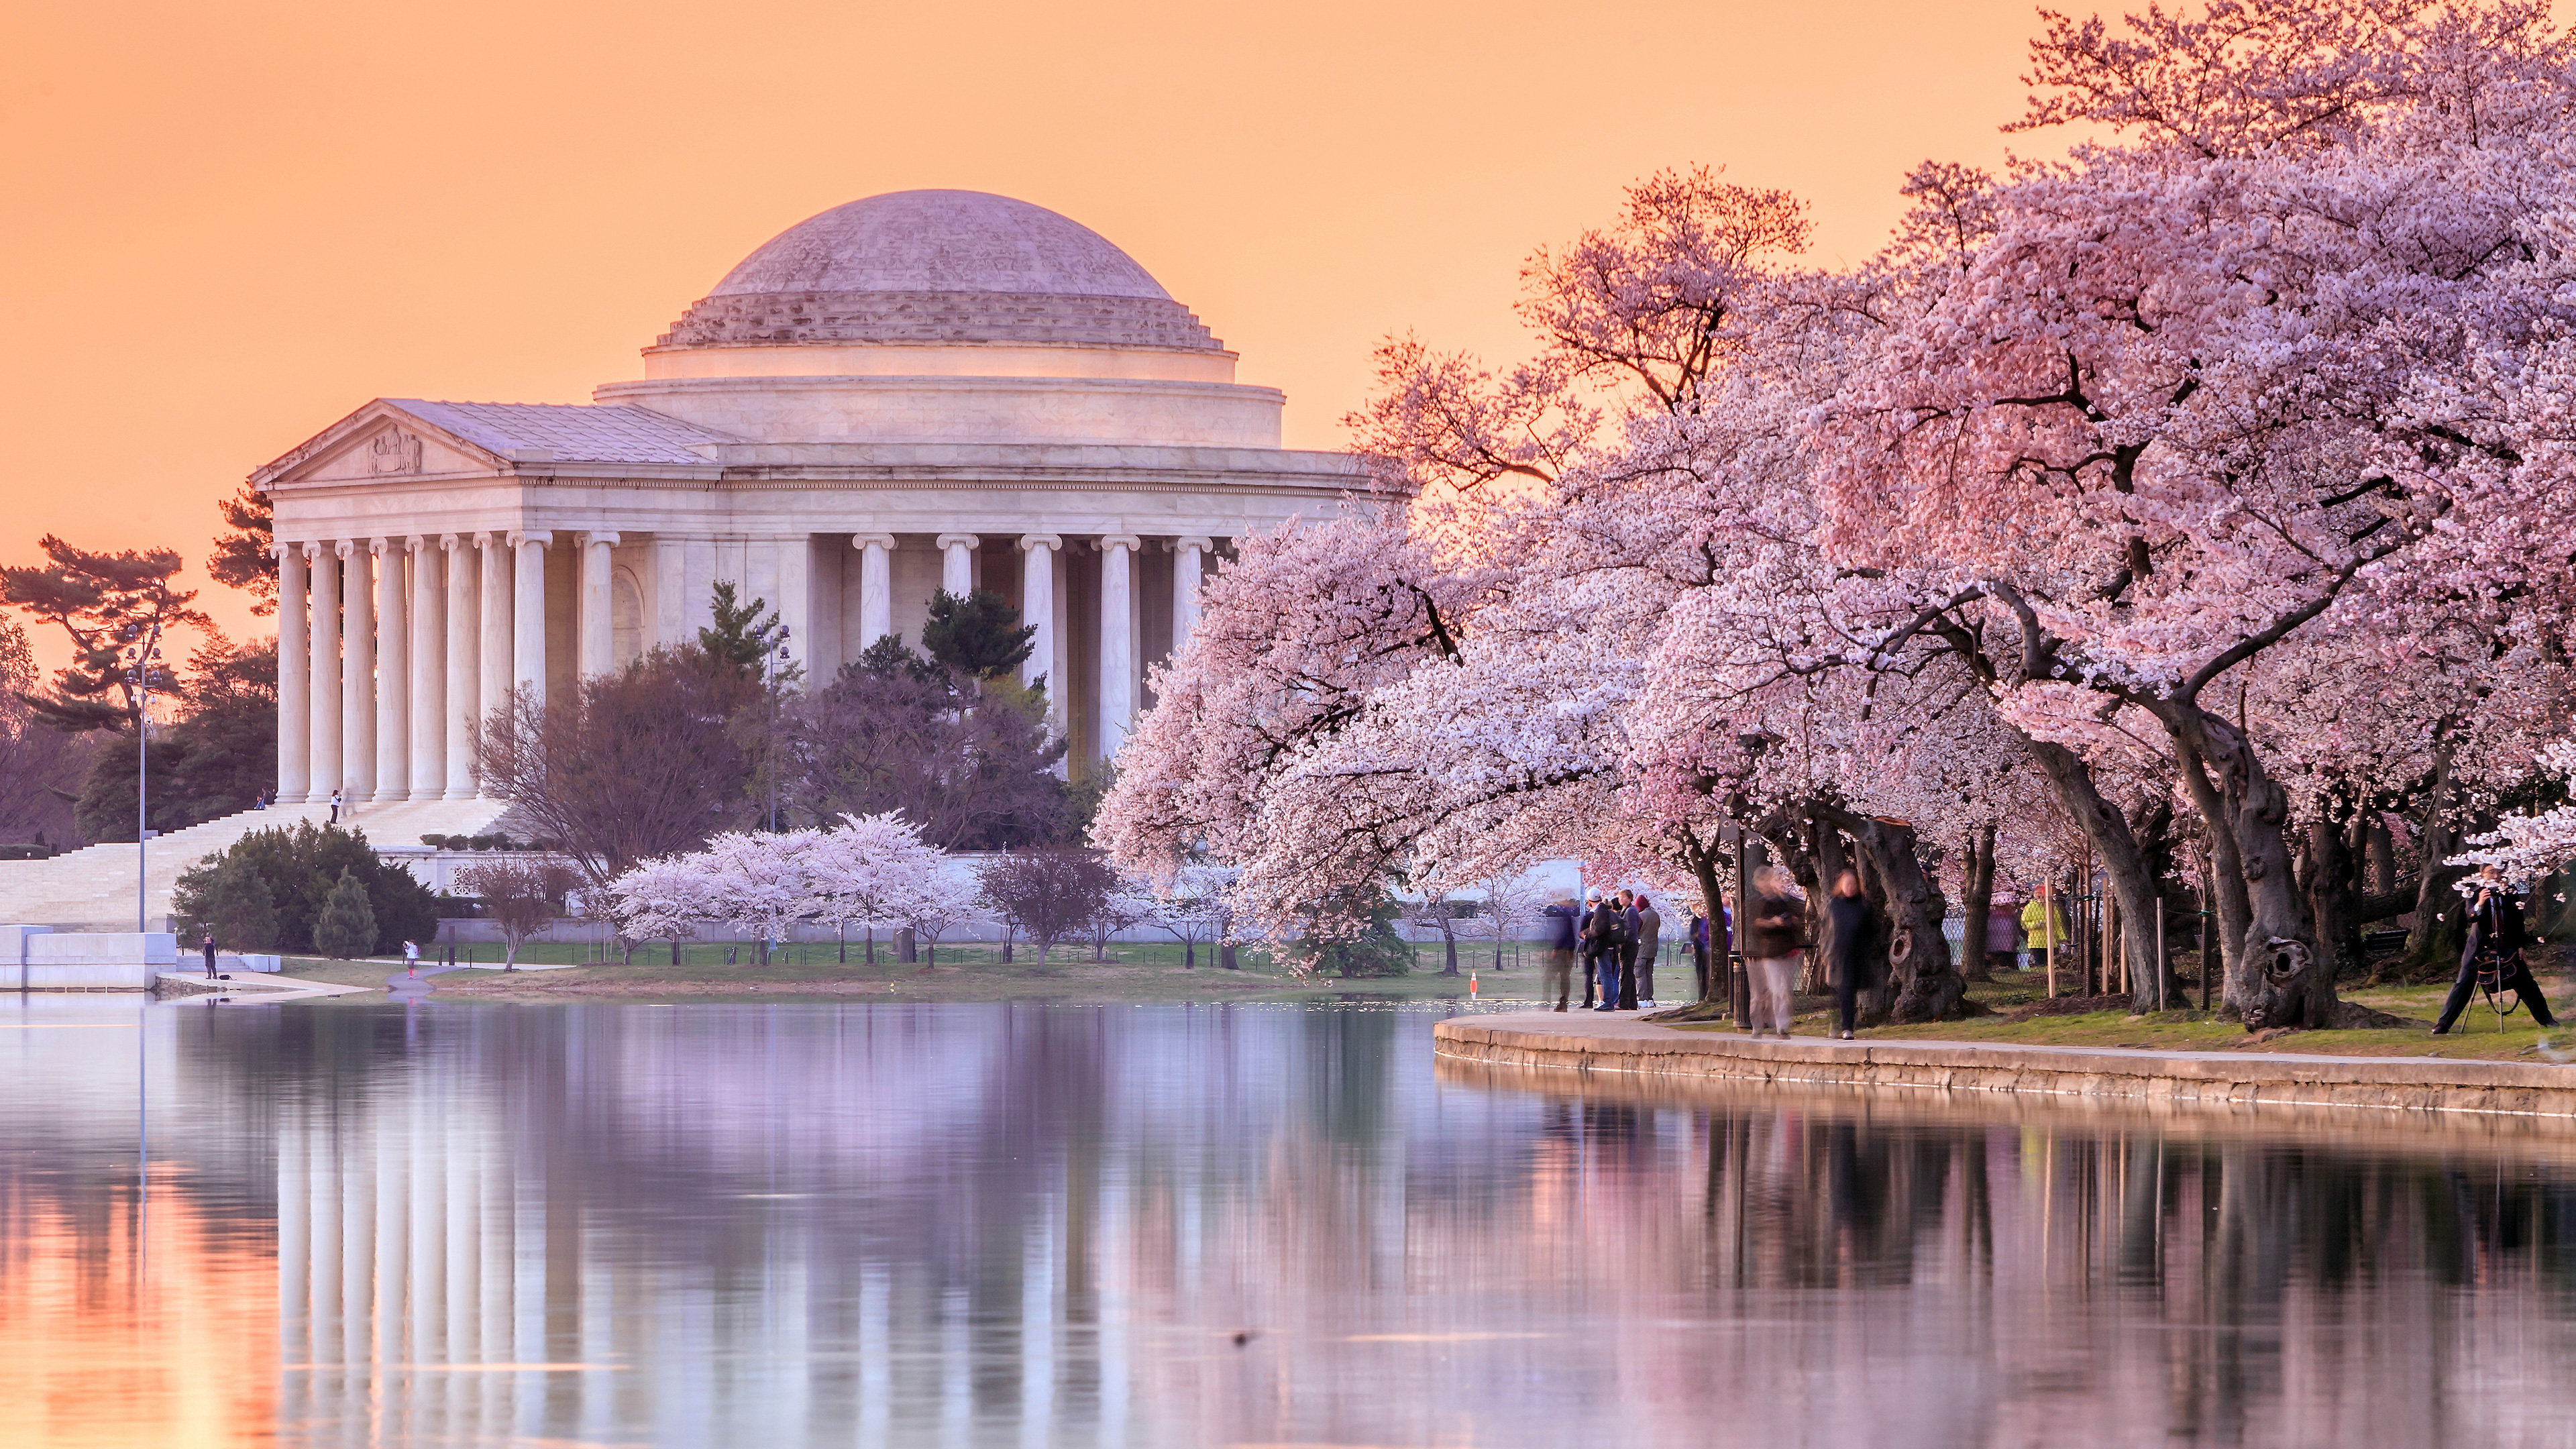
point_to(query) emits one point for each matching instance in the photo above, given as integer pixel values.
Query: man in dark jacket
(1632, 928)
(1650, 943)
(1583, 946)
(1609, 934)
(1564, 934)
(1847, 917)
(2497, 938)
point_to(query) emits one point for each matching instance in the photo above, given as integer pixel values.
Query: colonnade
(392, 648)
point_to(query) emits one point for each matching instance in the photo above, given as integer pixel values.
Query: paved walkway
(1623, 1044)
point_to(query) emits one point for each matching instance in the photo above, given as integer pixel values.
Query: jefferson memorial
(918, 391)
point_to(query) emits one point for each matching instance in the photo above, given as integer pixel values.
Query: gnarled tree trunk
(2279, 977)
(1978, 881)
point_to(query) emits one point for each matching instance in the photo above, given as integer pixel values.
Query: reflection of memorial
(983, 1225)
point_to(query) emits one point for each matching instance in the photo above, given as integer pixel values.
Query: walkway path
(1625, 1045)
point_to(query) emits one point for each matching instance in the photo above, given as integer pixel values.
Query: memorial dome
(939, 267)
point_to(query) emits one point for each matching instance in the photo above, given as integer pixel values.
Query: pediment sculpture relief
(394, 451)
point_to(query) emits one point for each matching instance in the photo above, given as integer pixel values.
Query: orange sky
(232, 223)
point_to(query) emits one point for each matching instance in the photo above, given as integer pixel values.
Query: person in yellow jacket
(2043, 922)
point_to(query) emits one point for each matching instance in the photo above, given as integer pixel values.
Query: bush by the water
(300, 867)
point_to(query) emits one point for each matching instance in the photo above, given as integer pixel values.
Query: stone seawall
(1625, 1048)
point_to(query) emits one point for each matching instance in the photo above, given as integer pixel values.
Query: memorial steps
(93, 888)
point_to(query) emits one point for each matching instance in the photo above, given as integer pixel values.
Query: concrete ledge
(1630, 1048)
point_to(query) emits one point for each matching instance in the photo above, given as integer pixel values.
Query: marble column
(1187, 554)
(428, 672)
(294, 678)
(357, 674)
(598, 633)
(495, 691)
(464, 663)
(876, 588)
(324, 561)
(957, 570)
(1117, 640)
(1037, 610)
(528, 614)
(796, 605)
(670, 595)
(393, 671)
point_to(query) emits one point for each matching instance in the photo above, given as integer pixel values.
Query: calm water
(988, 1225)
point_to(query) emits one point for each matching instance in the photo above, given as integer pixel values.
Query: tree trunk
(675, 950)
(1926, 982)
(2279, 977)
(906, 946)
(1714, 1003)
(1225, 956)
(2436, 938)
(2124, 862)
(1448, 947)
(2231, 903)
(1978, 879)
(2329, 875)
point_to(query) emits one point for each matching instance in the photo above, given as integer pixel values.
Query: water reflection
(783, 1225)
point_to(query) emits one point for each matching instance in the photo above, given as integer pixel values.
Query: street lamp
(769, 678)
(140, 660)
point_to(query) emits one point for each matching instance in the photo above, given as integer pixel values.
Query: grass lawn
(1132, 972)
(2189, 1030)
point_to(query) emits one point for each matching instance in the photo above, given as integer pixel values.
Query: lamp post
(769, 680)
(140, 660)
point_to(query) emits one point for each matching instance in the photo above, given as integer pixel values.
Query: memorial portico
(916, 392)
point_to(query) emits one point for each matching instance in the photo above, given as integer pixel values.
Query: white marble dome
(940, 241)
(939, 267)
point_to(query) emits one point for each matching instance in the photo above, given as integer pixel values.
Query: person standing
(1564, 934)
(411, 956)
(1609, 928)
(1847, 918)
(1583, 943)
(2043, 925)
(1771, 945)
(1699, 953)
(2497, 940)
(1629, 930)
(209, 945)
(1650, 940)
(335, 807)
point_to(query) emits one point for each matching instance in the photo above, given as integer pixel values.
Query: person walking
(1650, 940)
(209, 945)
(1609, 932)
(411, 956)
(2497, 941)
(1772, 941)
(1847, 945)
(1564, 934)
(1630, 930)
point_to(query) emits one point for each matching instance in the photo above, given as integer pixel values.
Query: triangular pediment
(380, 442)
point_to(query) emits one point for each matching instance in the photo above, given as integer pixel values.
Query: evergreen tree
(105, 602)
(347, 926)
(978, 635)
(302, 865)
(739, 636)
(229, 900)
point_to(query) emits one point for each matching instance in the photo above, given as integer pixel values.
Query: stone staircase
(93, 889)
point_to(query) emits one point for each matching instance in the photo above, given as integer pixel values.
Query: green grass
(2187, 1029)
(1132, 972)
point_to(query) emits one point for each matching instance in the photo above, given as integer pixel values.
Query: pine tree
(346, 928)
(979, 634)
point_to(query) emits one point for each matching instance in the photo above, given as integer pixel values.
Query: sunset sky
(233, 223)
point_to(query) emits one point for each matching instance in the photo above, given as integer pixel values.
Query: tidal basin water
(781, 1225)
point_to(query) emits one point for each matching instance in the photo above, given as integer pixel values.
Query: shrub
(301, 865)
(230, 901)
